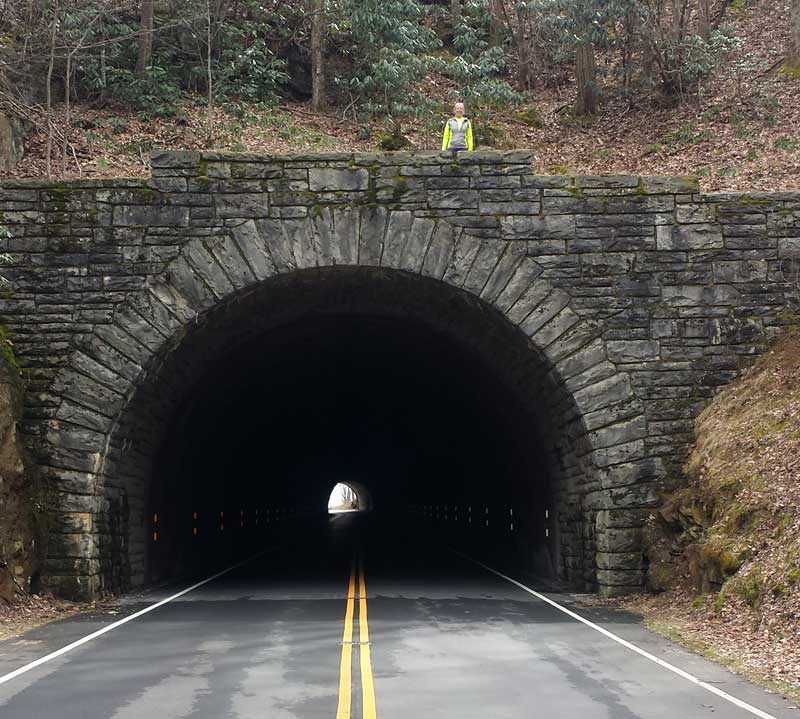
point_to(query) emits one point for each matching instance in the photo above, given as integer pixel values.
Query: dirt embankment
(20, 528)
(725, 550)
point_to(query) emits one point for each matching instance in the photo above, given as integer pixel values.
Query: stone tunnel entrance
(242, 332)
(419, 392)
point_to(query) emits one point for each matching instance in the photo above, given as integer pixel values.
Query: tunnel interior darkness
(416, 391)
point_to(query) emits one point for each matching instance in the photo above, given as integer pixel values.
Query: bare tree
(318, 99)
(145, 37)
(523, 45)
(209, 74)
(68, 92)
(586, 76)
(495, 22)
(455, 13)
(793, 54)
(48, 88)
(704, 19)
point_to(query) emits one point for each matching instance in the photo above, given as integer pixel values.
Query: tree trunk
(209, 76)
(585, 74)
(455, 13)
(317, 69)
(704, 19)
(523, 50)
(49, 90)
(794, 35)
(145, 38)
(495, 23)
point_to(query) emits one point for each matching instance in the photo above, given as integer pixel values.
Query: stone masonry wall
(681, 287)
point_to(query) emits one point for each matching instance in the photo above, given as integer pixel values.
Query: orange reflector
(194, 531)
(155, 518)
(155, 536)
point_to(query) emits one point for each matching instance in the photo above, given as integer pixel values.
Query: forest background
(706, 87)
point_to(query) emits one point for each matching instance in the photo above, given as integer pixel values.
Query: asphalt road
(285, 635)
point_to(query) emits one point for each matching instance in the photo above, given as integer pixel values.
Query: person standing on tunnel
(458, 131)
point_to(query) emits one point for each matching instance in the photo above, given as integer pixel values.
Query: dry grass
(28, 612)
(744, 500)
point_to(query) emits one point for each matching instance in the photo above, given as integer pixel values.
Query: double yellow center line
(368, 710)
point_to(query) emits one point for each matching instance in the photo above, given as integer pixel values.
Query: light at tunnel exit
(347, 497)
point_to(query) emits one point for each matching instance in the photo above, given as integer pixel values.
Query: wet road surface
(351, 618)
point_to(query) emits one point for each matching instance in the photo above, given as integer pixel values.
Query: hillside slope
(725, 551)
(738, 131)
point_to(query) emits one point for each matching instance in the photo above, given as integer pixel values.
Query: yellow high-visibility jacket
(457, 132)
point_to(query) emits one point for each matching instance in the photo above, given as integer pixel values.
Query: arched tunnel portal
(219, 394)
(418, 392)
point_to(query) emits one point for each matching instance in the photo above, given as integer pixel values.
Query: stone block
(633, 350)
(165, 159)
(453, 199)
(245, 204)
(620, 453)
(604, 393)
(330, 179)
(545, 311)
(740, 271)
(689, 237)
(509, 208)
(681, 184)
(631, 561)
(464, 254)
(512, 257)
(207, 268)
(548, 227)
(489, 253)
(373, 230)
(83, 416)
(627, 430)
(447, 183)
(510, 182)
(789, 247)
(440, 250)
(148, 215)
(231, 259)
(555, 328)
(620, 519)
(618, 577)
(254, 249)
(546, 182)
(606, 181)
(298, 241)
(397, 229)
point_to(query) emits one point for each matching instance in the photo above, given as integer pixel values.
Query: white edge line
(628, 645)
(89, 637)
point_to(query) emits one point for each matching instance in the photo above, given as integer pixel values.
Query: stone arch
(609, 429)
